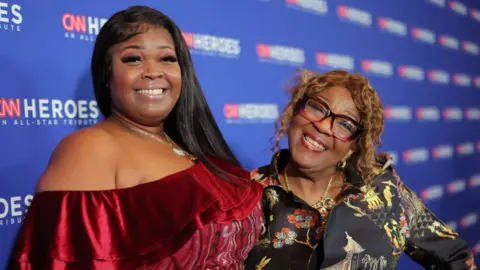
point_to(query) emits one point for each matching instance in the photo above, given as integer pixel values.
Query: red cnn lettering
(263, 50)
(367, 65)
(416, 32)
(402, 71)
(74, 23)
(342, 11)
(382, 22)
(231, 111)
(188, 39)
(10, 108)
(322, 58)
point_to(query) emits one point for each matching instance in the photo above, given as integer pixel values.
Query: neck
(308, 181)
(124, 121)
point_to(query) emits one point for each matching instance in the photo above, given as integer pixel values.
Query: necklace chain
(324, 204)
(176, 149)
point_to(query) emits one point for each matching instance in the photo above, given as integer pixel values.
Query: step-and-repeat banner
(421, 55)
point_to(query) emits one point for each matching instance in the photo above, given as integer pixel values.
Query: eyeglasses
(343, 127)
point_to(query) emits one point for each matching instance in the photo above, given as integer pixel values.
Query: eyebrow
(348, 112)
(139, 47)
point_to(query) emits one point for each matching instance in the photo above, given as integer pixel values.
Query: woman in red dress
(154, 185)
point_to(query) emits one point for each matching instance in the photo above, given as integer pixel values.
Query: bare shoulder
(83, 160)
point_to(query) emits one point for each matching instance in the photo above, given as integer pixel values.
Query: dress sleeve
(431, 243)
(131, 227)
(72, 230)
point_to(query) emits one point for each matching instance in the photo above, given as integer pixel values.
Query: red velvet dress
(188, 220)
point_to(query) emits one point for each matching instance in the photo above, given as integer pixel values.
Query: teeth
(157, 91)
(313, 143)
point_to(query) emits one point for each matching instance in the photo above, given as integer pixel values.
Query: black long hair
(191, 123)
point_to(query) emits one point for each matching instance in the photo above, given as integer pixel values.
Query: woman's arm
(83, 160)
(431, 242)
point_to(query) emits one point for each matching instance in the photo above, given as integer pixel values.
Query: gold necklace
(325, 204)
(175, 148)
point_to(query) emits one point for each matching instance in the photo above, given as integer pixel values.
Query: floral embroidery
(396, 237)
(284, 237)
(386, 213)
(398, 232)
(272, 197)
(303, 219)
(470, 262)
(404, 225)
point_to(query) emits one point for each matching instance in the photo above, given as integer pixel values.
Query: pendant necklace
(325, 204)
(175, 148)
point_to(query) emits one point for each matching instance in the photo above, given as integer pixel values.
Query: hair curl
(366, 100)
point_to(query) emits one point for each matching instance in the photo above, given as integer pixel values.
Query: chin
(153, 118)
(303, 158)
(147, 117)
(154, 112)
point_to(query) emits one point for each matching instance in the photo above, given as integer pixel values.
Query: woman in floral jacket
(330, 202)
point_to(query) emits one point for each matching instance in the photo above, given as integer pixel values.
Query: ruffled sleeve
(128, 228)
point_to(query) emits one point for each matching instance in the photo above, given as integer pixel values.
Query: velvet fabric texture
(134, 227)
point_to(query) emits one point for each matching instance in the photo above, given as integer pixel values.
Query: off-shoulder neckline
(164, 179)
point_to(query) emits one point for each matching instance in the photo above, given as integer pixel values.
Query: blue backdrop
(421, 55)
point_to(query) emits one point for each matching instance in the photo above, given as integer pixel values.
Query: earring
(341, 165)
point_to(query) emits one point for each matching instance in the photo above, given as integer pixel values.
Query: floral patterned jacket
(368, 229)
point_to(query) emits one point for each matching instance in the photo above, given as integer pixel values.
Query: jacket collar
(280, 160)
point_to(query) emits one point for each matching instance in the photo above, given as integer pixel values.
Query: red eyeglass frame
(303, 103)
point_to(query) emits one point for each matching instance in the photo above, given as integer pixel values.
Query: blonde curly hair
(366, 100)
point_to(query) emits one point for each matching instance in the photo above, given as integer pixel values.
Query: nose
(324, 126)
(152, 71)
